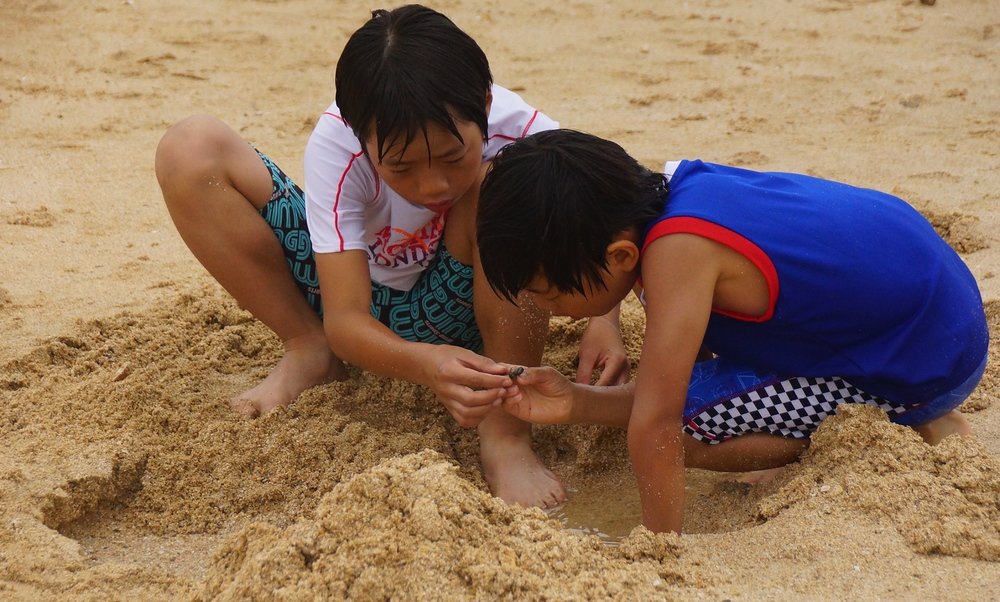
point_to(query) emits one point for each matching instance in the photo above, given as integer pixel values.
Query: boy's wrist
(577, 410)
(613, 320)
(424, 361)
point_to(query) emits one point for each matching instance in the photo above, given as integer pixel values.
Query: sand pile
(162, 379)
(411, 528)
(943, 499)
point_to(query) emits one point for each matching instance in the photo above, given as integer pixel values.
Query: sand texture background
(125, 475)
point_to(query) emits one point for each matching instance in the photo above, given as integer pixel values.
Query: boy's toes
(760, 477)
(244, 407)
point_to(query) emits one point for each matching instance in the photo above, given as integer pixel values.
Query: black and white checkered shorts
(791, 408)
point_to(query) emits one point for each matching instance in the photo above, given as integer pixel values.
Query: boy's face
(619, 275)
(597, 302)
(434, 174)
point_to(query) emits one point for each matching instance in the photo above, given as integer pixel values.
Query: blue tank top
(860, 284)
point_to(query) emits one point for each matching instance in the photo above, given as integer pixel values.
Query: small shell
(515, 372)
(122, 372)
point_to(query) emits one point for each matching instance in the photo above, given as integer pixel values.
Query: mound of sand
(943, 499)
(412, 528)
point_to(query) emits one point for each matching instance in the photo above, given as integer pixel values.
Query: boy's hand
(467, 384)
(601, 347)
(543, 396)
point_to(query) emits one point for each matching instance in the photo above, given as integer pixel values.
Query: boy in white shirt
(374, 263)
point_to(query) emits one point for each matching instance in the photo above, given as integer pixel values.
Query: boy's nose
(543, 303)
(433, 186)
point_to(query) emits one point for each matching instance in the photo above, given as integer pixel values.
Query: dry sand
(125, 476)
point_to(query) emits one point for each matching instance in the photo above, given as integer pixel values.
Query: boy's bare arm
(468, 384)
(680, 274)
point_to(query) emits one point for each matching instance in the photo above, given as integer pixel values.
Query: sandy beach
(127, 476)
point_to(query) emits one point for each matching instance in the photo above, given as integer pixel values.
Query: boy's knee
(191, 147)
(695, 452)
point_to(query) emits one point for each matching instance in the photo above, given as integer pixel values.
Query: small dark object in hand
(515, 372)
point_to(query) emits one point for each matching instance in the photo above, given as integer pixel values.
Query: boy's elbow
(337, 331)
(659, 433)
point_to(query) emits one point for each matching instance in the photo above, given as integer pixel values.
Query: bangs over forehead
(407, 68)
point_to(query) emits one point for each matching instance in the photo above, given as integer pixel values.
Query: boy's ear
(623, 255)
(489, 100)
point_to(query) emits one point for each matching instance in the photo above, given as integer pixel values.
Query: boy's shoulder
(512, 118)
(331, 130)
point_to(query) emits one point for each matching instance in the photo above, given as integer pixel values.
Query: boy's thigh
(438, 309)
(726, 400)
(285, 212)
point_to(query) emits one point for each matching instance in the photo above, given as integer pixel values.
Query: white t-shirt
(348, 206)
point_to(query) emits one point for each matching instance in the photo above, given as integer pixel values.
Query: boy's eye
(549, 295)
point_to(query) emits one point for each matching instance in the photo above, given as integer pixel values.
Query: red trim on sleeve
(733, 240)
(524, 132)
(336, 200)
(337, 117)
(528, 127)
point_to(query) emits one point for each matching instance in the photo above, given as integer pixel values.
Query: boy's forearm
(368, 344)
(657, 456)
(353, 334)
(610, 406)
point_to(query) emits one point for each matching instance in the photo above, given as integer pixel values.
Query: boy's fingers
(607, 377)
(615, 372)
(484, 364)
(584, 369)
(516, 407)
(471, 398)
(478, 381)
(470, 416)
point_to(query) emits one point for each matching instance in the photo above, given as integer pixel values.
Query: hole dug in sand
(105, 482)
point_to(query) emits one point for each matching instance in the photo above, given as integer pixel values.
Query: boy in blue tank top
(770, 299)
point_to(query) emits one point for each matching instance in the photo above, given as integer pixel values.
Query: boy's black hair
(551, 204)
(408, 67)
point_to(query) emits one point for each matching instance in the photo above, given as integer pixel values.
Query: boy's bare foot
(760, 477)
(952, 423)
(511, 468)
(307, 362)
